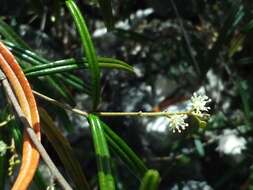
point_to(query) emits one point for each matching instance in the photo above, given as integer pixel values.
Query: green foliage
(89, 51)
(165, 47)
(105, 177)
(126, 154)
(64, 151)
(150, 181)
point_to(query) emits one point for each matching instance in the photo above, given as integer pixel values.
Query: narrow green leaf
(75, 82)
(64, 151)
(150, 181)
(25, 53)
(62, 89)
(10, 34)
(32, 58)
(106, 180)
(89, 50)
(236, 44)
(126, 154)
(72, 64)
(243, 89)
(36, 60)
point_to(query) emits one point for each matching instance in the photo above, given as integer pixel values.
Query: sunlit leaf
(150, 181)
(89, 50)
(106, 180)
(126, 154)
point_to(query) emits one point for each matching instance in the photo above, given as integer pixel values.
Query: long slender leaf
(89, 50)
(64, 151)
(36, 60)
(9, 33)
(72, 64)
(242, 87)
(126, 154)
(75, 82)
(106, 180)
(33, 58)
(150, 181)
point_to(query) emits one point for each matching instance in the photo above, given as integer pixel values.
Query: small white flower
(177, 123)
(198, 104)
(3, 148)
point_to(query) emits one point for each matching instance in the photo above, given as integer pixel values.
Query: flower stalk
(197, 109)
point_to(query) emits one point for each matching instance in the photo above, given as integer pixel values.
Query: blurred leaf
(106, 180)
(199, 147)
(242, 87)
(150, 181)
(248, 27)
(89, 50)
(106, 9)
(9, 34)
(126, 154)
(236, 45)
(251, 178)
(231, 22)
(245, 61)
(64, 150)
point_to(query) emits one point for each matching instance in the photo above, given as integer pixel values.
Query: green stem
(141, 114)
(111, 114)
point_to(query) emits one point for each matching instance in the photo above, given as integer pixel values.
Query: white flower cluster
(177, 123)
(197, 107)
(3, 148)
(198, 104)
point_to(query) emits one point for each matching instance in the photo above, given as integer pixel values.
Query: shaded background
(176, 48)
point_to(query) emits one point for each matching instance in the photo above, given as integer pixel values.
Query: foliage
(170, 50)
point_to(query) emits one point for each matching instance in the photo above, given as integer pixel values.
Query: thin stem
(109, 114)
(5, 122)
(140, 114)
(186, 37)
(64, 184)
(59, 104)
